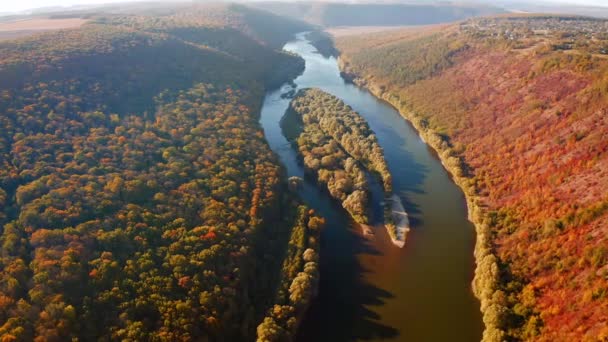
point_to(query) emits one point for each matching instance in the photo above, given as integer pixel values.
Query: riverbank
(299, 278)
(485, 282)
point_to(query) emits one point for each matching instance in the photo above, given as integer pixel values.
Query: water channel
(370, 289)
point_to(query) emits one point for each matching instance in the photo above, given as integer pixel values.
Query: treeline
(140, 200)
(299, 278)
(338, 146)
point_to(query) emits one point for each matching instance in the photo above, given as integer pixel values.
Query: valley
(369, 288)
(303, 171)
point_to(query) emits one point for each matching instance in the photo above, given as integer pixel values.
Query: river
(370, 289)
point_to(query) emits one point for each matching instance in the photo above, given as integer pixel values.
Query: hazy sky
(20, 5)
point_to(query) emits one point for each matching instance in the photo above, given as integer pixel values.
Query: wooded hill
(139, 199)
(516, 107)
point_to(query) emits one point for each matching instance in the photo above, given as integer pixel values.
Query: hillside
(20, 28)
(139, 199)
(516, 108)
(330, 14)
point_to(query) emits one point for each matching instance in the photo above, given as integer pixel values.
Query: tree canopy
(140, 200)
(338, 147)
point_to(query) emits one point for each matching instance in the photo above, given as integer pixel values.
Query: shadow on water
(344, 309)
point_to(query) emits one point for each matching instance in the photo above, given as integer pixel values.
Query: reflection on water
(369, 289)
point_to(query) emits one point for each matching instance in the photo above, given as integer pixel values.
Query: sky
(21, 5)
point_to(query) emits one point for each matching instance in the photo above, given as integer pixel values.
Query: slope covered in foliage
(139, 198)
(263, 27)
(516, 107)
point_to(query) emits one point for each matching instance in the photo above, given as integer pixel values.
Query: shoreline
(485, 260)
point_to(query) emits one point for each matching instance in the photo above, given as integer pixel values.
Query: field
(341, 31)
(21, 28)
(366, 37)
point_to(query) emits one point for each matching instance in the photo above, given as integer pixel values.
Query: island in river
(339, 148)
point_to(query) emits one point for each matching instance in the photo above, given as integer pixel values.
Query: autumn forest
(516, 108)
(141, 198)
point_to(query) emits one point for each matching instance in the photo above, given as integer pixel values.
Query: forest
(140, 200)
(338, 148)
(517, 113)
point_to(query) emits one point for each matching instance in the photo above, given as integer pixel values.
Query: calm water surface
(369, 289)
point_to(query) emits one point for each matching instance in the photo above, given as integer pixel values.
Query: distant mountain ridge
(375, 14)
